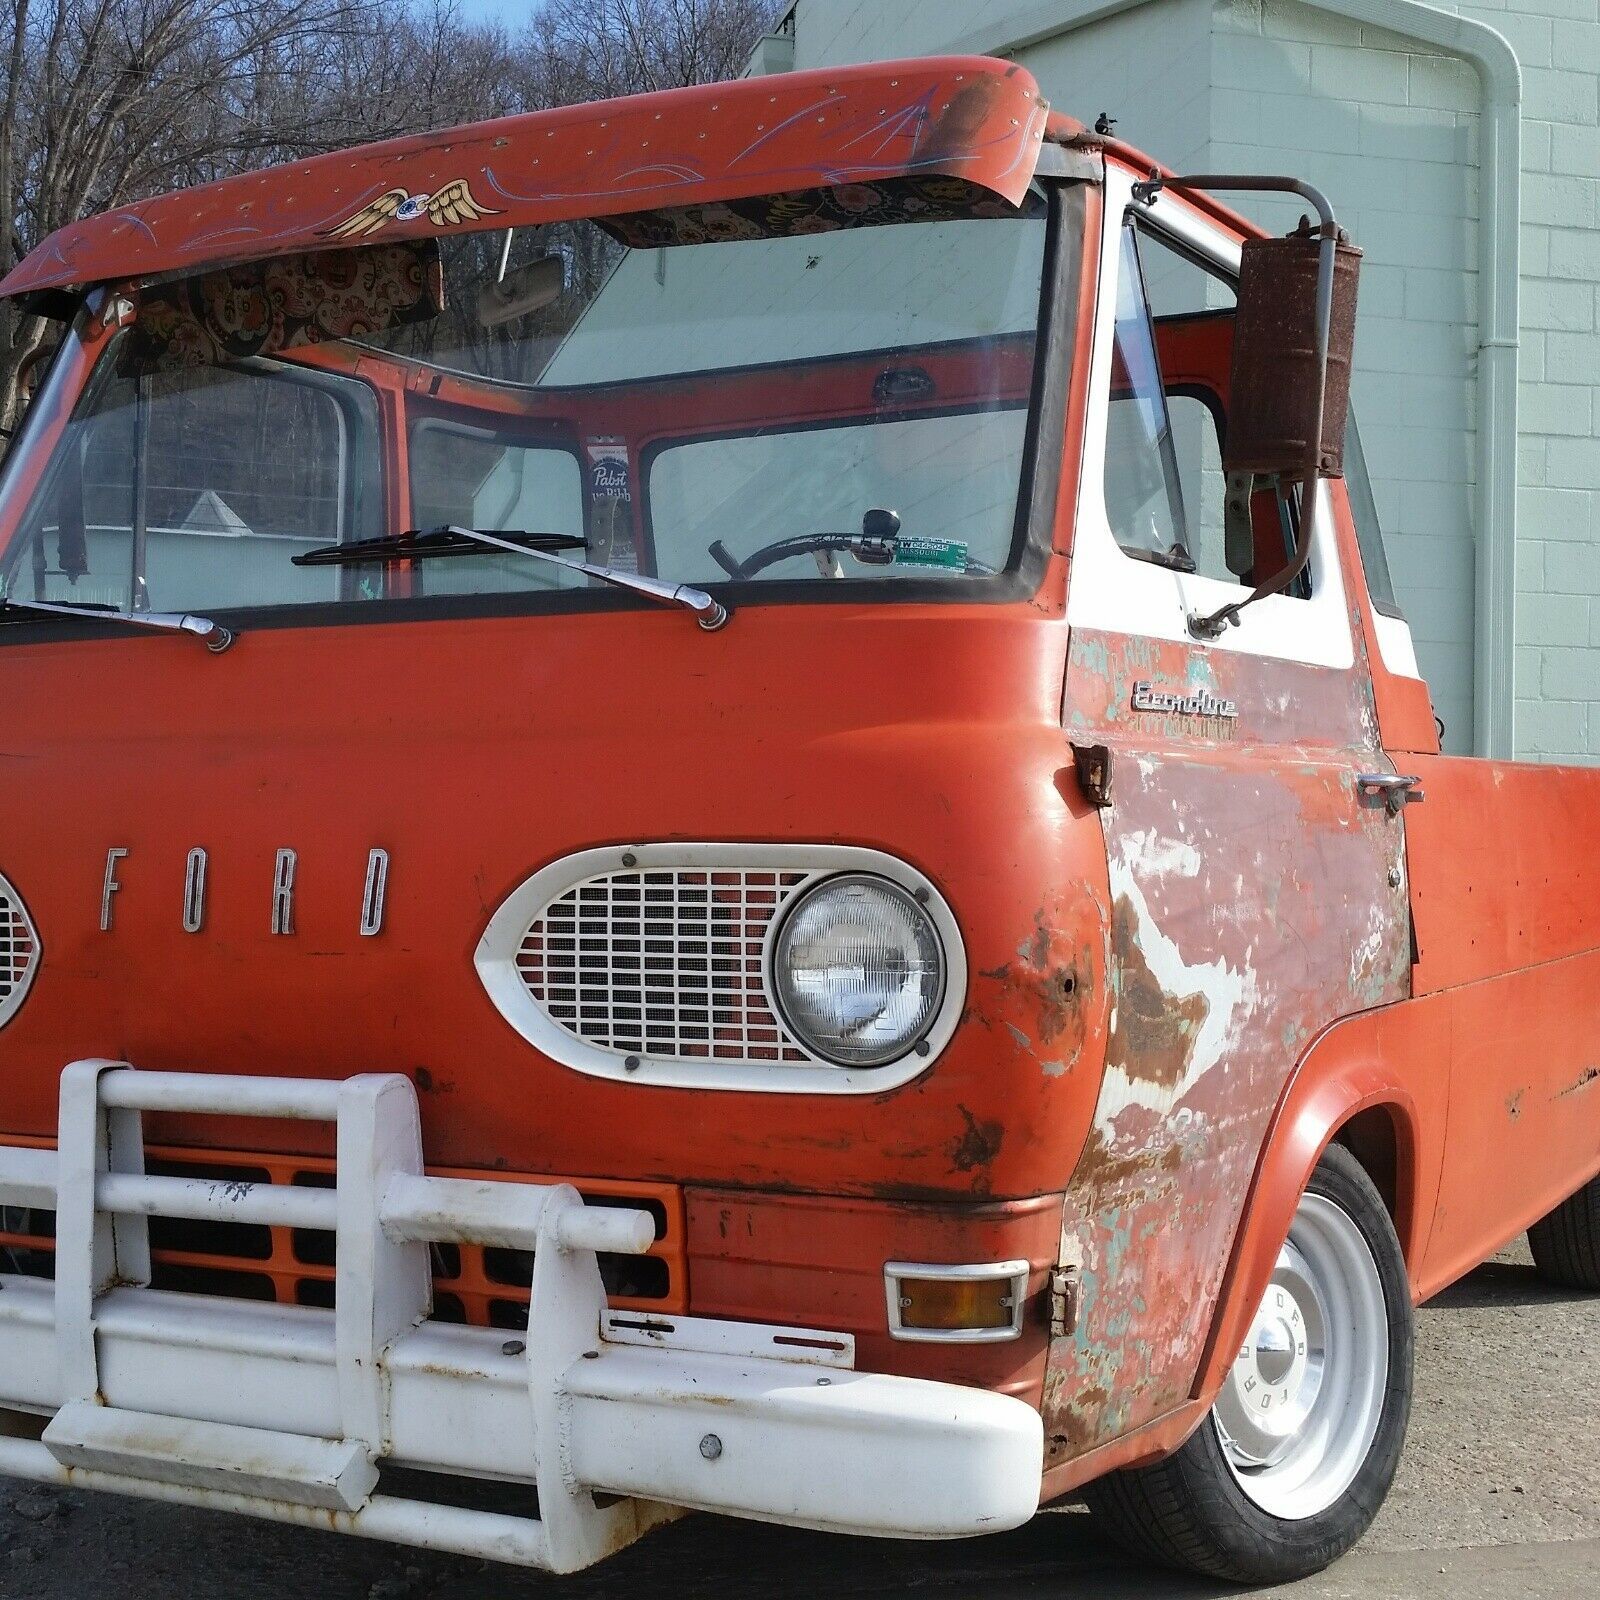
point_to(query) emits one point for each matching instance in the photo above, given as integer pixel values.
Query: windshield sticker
(611, 494)
(923, 552)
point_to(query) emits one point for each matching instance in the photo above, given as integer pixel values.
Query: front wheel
(1300, 1449)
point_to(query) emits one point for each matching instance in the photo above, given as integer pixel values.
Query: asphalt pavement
(1498, 1495)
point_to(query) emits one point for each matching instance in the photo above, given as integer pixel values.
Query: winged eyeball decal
(446, 207)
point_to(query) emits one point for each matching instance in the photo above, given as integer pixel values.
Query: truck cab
(687, 827)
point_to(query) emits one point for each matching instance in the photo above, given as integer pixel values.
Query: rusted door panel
(1255, 900)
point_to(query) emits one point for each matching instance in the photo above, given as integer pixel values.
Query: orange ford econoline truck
(713, 802)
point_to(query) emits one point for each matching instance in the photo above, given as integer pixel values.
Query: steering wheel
(873, 548)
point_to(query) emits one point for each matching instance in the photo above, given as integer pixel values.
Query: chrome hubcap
(1301, 1406)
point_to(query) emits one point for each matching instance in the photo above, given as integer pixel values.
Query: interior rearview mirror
(523, 290)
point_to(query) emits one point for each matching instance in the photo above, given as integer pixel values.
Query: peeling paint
(1252, 905)
(1172, 1018)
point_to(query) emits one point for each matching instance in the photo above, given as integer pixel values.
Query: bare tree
(107, 101)
(103, 100)
(596, 49)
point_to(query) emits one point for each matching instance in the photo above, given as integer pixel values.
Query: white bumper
(287, 1412)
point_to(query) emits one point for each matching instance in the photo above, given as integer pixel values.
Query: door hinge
(1093, 765)
(1063, 1302)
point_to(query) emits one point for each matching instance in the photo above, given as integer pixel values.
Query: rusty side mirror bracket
(1272, 435)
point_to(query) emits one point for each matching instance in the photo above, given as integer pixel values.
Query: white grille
(663, 963)
(19, 951)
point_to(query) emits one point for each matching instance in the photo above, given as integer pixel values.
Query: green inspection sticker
(921, 552)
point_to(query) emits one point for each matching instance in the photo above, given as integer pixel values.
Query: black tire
(1566, 1244)
(1190, 1511)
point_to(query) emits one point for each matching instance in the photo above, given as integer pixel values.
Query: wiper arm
(709, 612)
(415, 545)
(215, 637)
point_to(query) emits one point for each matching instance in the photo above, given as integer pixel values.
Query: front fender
(1394, 1059)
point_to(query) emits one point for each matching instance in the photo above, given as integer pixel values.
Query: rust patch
(1155, 1031)
(1057, 1004)
(1080, 1419)
(1052, 992)
(1585, 1078)
(962, 120)
(978, 1145)
(1102, 1168)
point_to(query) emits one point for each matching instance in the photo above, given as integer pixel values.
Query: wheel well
(1373, 1139)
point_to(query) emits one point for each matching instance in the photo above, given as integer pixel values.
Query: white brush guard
(286, 1412)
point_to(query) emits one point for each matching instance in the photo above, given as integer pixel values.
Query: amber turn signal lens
(948, 1305)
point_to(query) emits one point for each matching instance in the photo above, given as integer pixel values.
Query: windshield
(701, 402)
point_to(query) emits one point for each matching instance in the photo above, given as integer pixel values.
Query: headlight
(858, 970)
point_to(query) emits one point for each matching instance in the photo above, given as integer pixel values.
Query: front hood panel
(473, 753)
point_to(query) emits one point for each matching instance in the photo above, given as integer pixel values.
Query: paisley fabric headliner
(288, 301)
(932, 198)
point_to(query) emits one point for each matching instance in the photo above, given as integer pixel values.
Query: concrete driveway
(1499, 1494)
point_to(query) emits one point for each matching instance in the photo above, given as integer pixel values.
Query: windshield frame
(80, 361)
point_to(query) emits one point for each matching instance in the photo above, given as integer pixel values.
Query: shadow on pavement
(1056, 1554)
(1505, 1283)
(97, 1548)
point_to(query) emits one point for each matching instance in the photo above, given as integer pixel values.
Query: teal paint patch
(923, 552)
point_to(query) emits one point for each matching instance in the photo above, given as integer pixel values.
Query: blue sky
(510, 12)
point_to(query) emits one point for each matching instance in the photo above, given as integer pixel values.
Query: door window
(1167, 495)
(1144, 497)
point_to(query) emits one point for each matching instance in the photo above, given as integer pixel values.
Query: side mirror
(521, 291)
(1273, 408)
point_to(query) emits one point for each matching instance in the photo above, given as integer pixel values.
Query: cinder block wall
(1558, 557)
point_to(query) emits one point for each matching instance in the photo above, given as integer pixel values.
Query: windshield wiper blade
(416, 545)
(215, 637)
(709, 612)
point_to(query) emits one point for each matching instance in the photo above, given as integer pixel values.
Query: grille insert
(664, 963)
(19, 951)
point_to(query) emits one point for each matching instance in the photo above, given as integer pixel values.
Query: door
(1257, 893)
